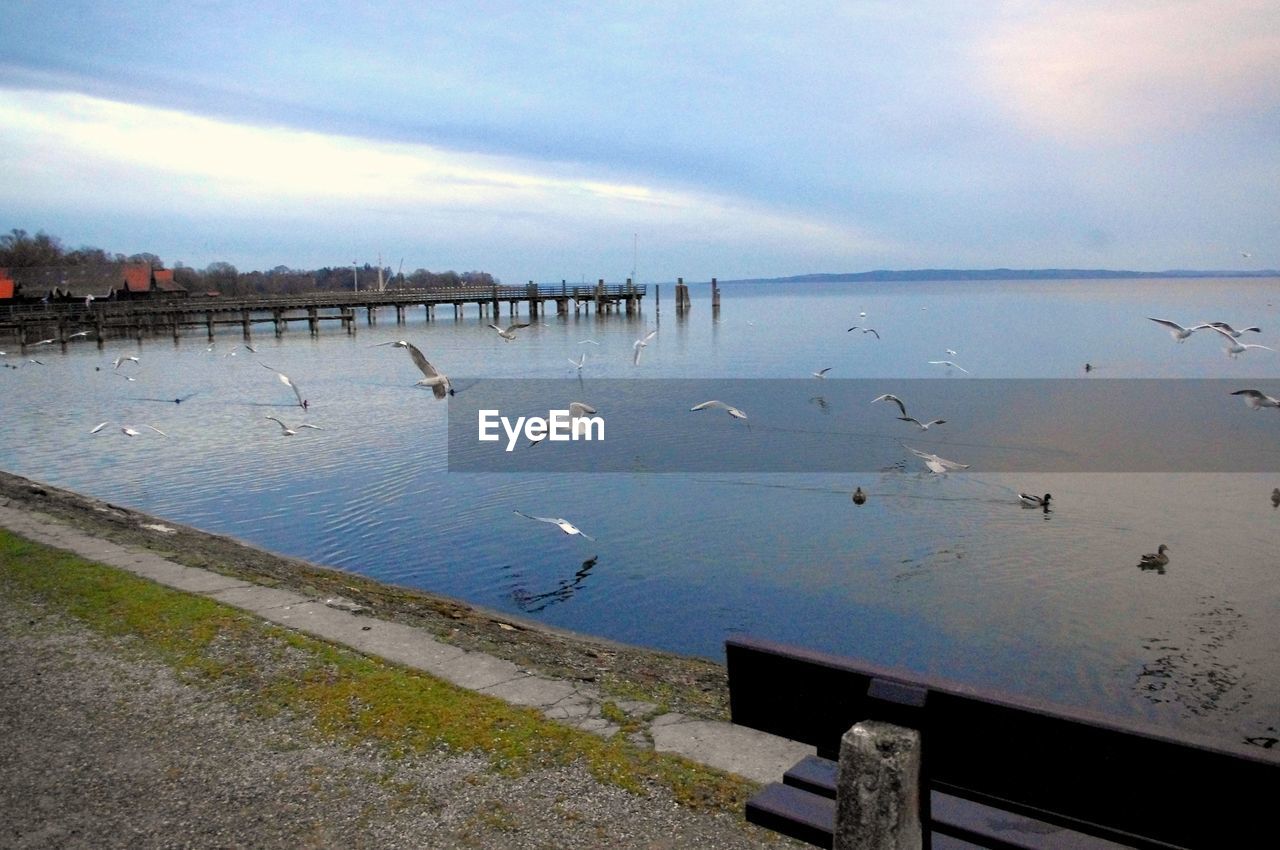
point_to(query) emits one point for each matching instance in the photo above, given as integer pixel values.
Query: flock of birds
(1156, 561)
(441, 387)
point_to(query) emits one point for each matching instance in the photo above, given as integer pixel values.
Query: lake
(947, 575)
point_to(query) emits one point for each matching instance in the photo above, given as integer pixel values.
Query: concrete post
(878, 789)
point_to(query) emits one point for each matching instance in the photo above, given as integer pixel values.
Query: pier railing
(66, 319)
(371, 298)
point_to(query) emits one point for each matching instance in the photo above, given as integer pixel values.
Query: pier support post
(878, 788)
(208, 323)
(277, 316)
(399, 314)
(244, 322)
(313, 320)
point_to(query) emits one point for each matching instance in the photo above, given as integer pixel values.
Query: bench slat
(813, 774)
(791, 811)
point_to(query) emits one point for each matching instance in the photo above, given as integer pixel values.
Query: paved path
(736, 749)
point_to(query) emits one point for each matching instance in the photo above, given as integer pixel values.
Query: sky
(578, 141)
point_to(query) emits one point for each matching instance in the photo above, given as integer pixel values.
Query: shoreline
(694, 687)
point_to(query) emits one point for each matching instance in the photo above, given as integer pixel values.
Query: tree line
(21, 250)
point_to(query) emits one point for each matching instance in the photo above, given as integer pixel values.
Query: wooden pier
(29, 323)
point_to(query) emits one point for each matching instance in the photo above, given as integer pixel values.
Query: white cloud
(1102, 71)
(104, 155)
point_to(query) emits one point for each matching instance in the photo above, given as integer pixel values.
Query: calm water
(944, 575)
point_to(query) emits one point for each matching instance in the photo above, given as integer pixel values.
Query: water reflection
(531, 603)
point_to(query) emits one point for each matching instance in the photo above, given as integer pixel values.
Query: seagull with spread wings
(432, 377)
(727, 408)
(509, 332)
(284, 379)
(560, 522)
(641, 344)
(289, 432)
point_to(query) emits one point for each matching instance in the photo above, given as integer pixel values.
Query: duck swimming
(1029, 501)
(860, 497)
(1155, 560)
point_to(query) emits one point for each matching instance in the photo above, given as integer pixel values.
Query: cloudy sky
(574, 140)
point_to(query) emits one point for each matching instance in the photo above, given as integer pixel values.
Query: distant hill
(1002, 274)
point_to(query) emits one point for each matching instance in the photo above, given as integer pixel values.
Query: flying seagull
(289, 432)
(892, 398)
(284, 379)
(821, 373)
(1235, 347)
(122, 359)
(129, 432)
(936, 465)
(641, 344)
(924, 426)
(439, 383)
(560, 522)
(864, 330)
(1257, 399)
(728, 408)
(1177, 331)
(1234, 333)
(949, 365)
(509, 332)
(582, 359)
(587, 342)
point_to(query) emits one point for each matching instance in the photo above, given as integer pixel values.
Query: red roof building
(6, 285)
(137, 278)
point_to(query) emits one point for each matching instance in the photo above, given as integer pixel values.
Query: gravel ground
(101, 747)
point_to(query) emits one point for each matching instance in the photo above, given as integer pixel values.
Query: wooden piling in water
(313, 320)
(682, 296)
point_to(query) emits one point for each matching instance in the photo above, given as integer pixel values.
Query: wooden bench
(998, 771)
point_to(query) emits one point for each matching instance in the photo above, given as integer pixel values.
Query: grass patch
(346, 696)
